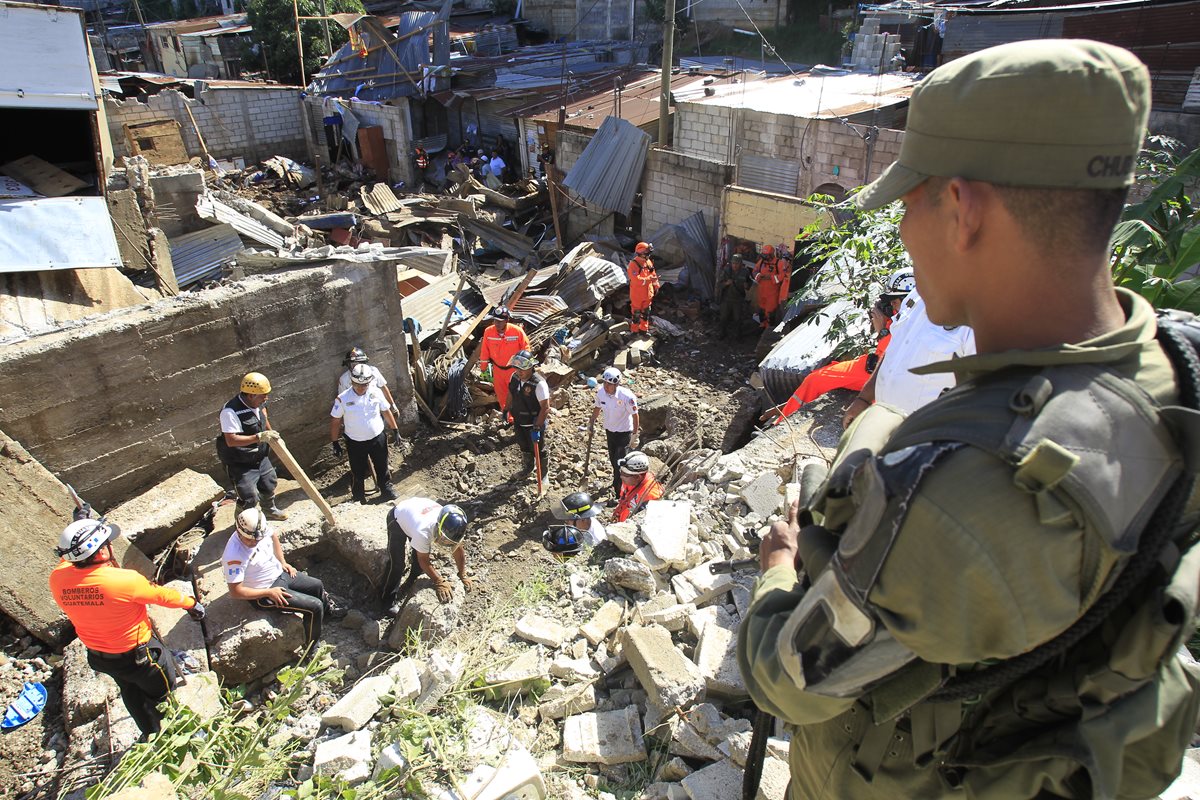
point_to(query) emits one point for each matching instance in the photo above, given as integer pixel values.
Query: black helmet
(356, 356)
(562, 540)
(501, 312)
(451, 527)
(578, 505)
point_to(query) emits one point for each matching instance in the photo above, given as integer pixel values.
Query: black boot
(526, 464)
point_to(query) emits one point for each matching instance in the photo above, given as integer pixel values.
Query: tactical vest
(1080, 712)
(523, 403)
(245, 455)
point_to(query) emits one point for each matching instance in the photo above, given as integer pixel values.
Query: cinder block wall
(397, 131)
(121, 402)
(255, 123)
(817, 145)
(555, 16)
(677, 185)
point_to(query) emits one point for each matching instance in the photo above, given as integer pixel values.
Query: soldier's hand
(780, 545)
(443, 590)
(268, 436)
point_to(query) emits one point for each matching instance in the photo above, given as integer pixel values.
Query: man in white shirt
(583, 514)
(256, 570)
(915, 342)
(362, 410)
(620, 409)
(496, 167)
(424, 525)
(359, 356)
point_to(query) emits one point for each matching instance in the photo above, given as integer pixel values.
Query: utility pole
(149, 48)
(664, 101)
(299, 41)
(328, 39)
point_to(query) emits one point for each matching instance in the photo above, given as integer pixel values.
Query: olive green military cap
(1052, 113)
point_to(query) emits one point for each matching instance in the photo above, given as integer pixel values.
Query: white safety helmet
(635, 463)
(361, 374)
(252, 524)
(612, 375)
(900, 283)
(81, 539)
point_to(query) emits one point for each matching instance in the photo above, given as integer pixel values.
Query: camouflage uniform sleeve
(775, 597)
(981, 569)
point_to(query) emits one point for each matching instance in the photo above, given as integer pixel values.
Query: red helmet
(644, 248)
(768, 250)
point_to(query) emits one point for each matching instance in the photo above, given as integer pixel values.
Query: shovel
(587, 458)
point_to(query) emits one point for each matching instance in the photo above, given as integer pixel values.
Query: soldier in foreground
(994, 603)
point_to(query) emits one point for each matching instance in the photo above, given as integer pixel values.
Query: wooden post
(552, 183)
(280, 449)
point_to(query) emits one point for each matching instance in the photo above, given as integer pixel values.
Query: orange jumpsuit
(773, 278)
(634, 496)
(498, 349)
(643, 284)
(851, 374)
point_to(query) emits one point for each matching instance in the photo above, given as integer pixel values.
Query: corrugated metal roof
(801, 351)
(535, 309)
(393, 64)
(698, 247)
(210, 207)
(609, 169)
(592, 280)
(812, 96)
(380, 199)
(200, 255)
(428, 306)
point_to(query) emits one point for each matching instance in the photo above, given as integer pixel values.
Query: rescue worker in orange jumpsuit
(638, 485)
(501, 341)
(107, 606)
(773, 276)
(643, 285)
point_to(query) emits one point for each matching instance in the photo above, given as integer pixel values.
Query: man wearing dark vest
(529, 404)
(993, 595)
(242, 446)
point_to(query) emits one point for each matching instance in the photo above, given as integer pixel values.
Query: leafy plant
(274, 24)
(1157, 243)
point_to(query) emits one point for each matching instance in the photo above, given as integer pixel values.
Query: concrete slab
(406, 678)
(541, 630)
(645, 555)
(665, 527)
(561, 701)
(201, 692)
(670, 680)
(607, 737)
(347, 758)
(716, 656)
(773, 783)
(529, 672)
(154, 519)
(356, 708)
(762, 494)
(699, 585)
(623, 535)
(719, 781)
(606, 620)
(629, 574)
(665, 610)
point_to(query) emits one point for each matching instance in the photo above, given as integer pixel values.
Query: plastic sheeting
(56, 233)
(609, 169)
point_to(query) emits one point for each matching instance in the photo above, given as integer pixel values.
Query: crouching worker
(256, 570)
(107, 606)
(638, 485)
(425, 525)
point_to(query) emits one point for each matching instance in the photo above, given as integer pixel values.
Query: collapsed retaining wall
(119, 402)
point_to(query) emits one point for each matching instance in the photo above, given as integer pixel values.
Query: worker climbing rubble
(242, 446)
(528, 406)
(256, 570)
(107, 606)
(638, 485)
(425, 526)
(359, 356)
(362, 411)
(502, 340)
(643, 285)
(620, 409)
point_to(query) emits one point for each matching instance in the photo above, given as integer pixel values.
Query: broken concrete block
(563, 701)
(606, 737)
(698, 585)
(727, 468)
(665, 610)
(623, 535)
(736, 747)
(425, 614)
(346, 758)
(715, 726)
(573, 670)
(390, 757)
(540, 630)
(405, 675)
(716, 656)
(773, 783)
(686, 741)
(85, 691)
(670, 680)
(665, 528)
(644, 555)
(528, 673)
(153, 520)
(674, 770)
(201, 692)
(440, 676)
(719, 781)
(629, 574)
(359, 705)
(762, 494)
(606, 620)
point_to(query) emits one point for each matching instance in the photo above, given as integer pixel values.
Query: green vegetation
(799, 42)
(275, 29)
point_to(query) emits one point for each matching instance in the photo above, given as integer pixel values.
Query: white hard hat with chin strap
(252, 524)
(83, 538)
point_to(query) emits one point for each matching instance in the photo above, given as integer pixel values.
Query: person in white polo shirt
(620, 409)
(256, 570)
(359, 356)
(424, 525)
(362, 410)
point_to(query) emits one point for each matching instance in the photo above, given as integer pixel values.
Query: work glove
(82, 512)
(467, 581)
(338, 452)
(444, 592)
(269, 436)
(535, 435)
(396, 436)
(196, 612)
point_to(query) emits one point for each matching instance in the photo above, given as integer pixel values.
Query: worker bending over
(423, 525)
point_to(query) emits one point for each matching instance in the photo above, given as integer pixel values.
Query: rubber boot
(271, 511)
(526, 464)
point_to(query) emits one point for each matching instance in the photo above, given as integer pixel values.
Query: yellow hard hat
(256, 383)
